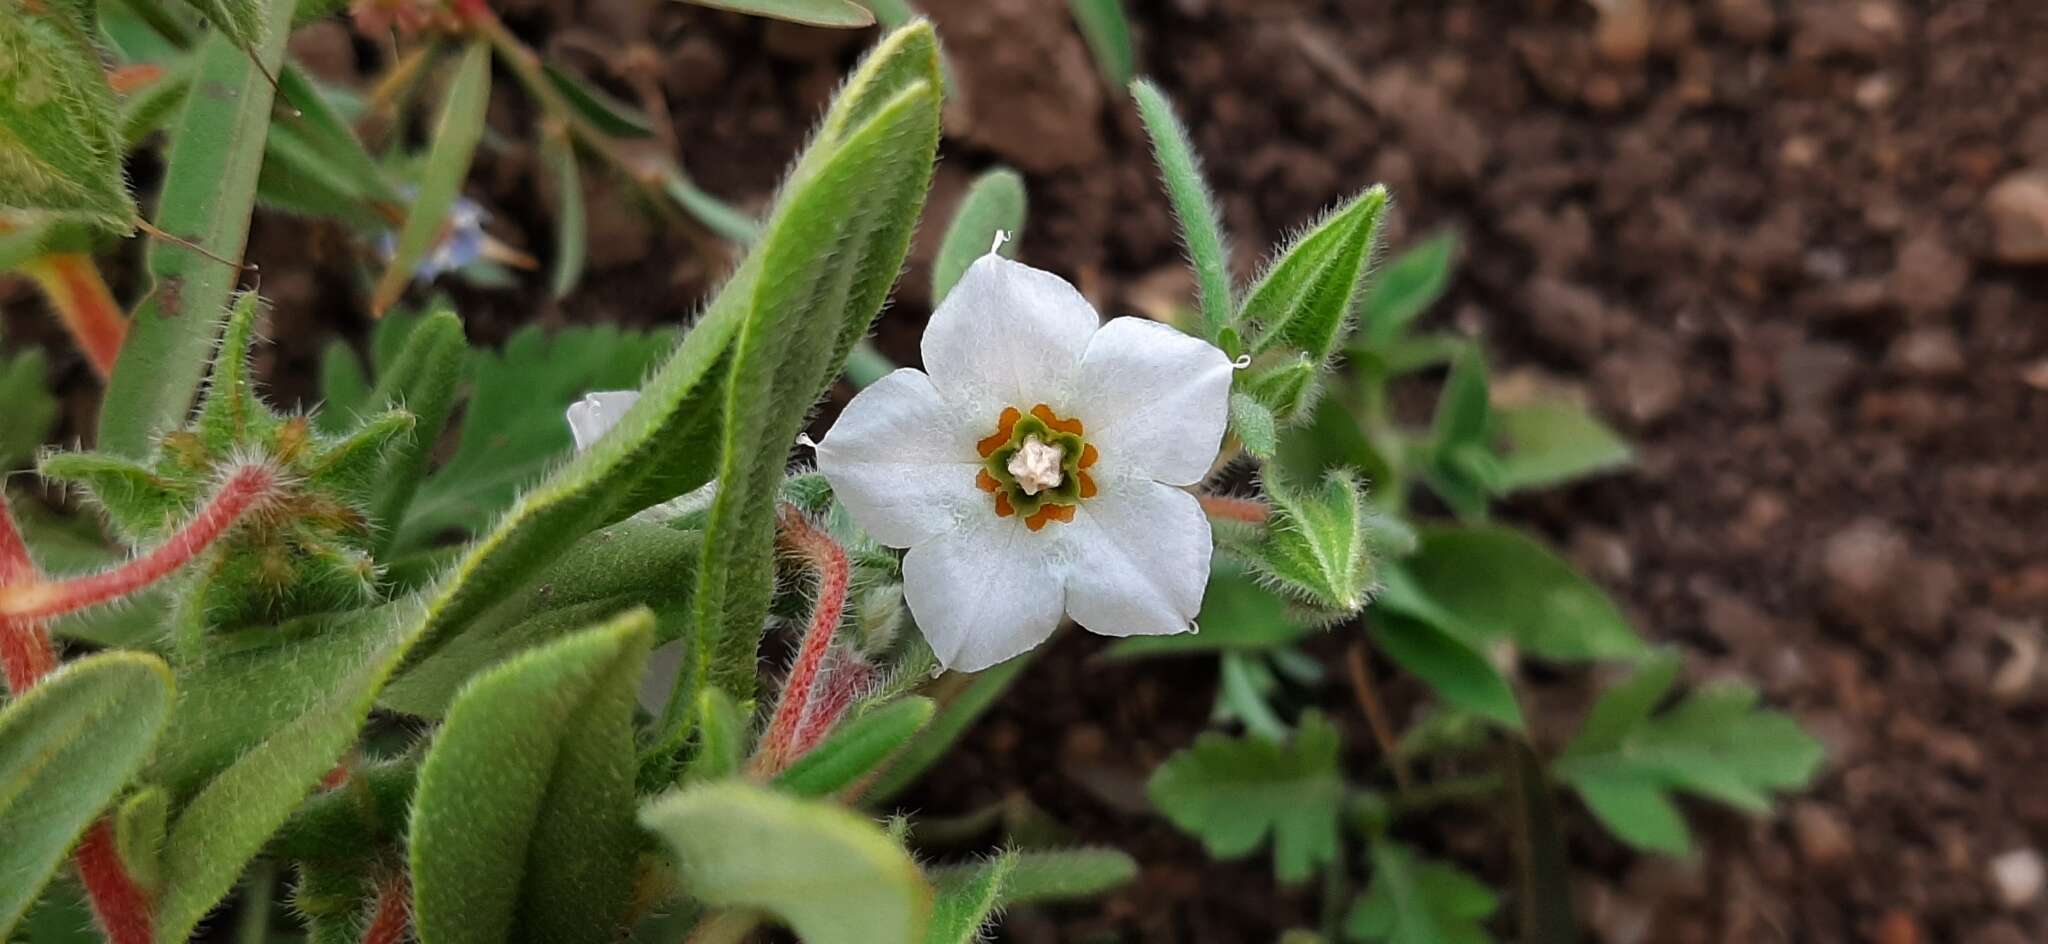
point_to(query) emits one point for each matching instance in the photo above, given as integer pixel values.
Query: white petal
(1154, 400)
(983, 594)
(595, 414)
(1138, 560)
(1007, 335)
(902, 463)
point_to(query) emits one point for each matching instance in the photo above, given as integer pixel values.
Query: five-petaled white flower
(1036, 468)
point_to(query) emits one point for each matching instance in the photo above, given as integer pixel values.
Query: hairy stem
(246, 490)
(73, 285)
(391, 916)
(25, 652)
(1247, 510)
(121, 905)
(817, 548)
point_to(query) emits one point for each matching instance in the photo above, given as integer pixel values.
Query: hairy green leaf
(1496, 583)
(1067, 874)
(67, 747)
(1314, 289)
(1201, 228)
(1252, 422)
(423, 382)
(1554, 442)
(1413, 901)
(857, 748)
(841, 14)
(522, 825)
(1405, 288)
(722, 738)
(1289, 388)
(976, 694)
(1108, 33)
(993, 204)
(60, 137)
(1715, 744)
(1459, 674)
(216, 155)
(456, 133)
(831, 875)
(1234, 792)
(967, 898)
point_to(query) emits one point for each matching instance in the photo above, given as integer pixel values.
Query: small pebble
(2017, 877)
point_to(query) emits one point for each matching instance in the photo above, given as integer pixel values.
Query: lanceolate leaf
(1458, 672)
(1497, 583)
(456, 133)
(994, 204)
(209, 187)
(975, 696)
(572, 234)
(67, 747)
(240, 19)
(60, 144)
(1065, 874)
(967, 898)
(1252, 422)
(857, 748)
(522, 825)
(30, 408)
(1234, 792)
(1201, 229)
(1108, 32)
(844, 14)
(1309, 297)
(831, 875)
(1405, 288)
(1554, 442)
(609, 115)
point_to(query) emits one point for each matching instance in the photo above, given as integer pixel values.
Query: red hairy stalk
(121, 905)
(74, 287)
(843, 679)
(1247, 510)
(247, 489)
(25, 653)
(806, 540)
(391, 916)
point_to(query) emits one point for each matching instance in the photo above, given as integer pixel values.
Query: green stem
(1448, 792)
(253, 925)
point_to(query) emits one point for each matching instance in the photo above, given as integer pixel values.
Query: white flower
(1036, 468)
(595, 414)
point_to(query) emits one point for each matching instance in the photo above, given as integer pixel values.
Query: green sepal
(1317, 545)
(138, 503)
(1289, 388)
(1311, 294)
(1254, 425)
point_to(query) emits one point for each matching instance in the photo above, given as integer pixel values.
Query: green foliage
(423, 382)
(1233, 792)
(604, 112)
(966, 898)
(456, 133)
(67, 747)
(857, 748)
(1405, 288)
(1456, 671)
(1201, 228)
(831, 875)
(60, 145)
(1238, 615)
(241, 20)
(1314, 289)
(1715, 744)
(1413, 901)
(209, 187)
(976, 695)
(993, 204)
(522, 824)
(1497, 584)
(1254, 425)
(31, 410)
(842, 14)
(1316, 546)
(572, 234)
(1551, 443)
(1066, 874)
(1108, 33)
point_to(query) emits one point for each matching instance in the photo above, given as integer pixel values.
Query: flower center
(1035, 464)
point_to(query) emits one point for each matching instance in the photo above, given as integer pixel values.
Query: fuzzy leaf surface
(1233, 793)
(1201, 227)
(1108, 32)
(833, 876)
(1312, 293)
(60, 143)
(856, 748)
(994, 203)
(1317, 545)
(1067, 874)
(966, 900)
(522, 825)
(67, 747)
(31, 410)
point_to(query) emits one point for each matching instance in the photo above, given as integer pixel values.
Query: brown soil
(1786, 245)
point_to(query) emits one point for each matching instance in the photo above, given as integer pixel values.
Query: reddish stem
(814, 545)
(248, 488)
(1247, 510)
(121, 905)
(841, 681)
(74, 287)
(392, 914)
(25, 652)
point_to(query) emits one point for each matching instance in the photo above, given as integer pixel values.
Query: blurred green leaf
(1715, 744)
(60, 136)
(320, 124)
(605, 113)
(67, 747)
(993, 204)
(215, 157)
(1464, 411)
(455, 136)
(1201, 227)
(572, 235)
(1308, 297)
(1552, 443)
(839, 14)
(545, 851)
(31, 410)
(1238, 615)
(723, 735)
(1252, 422)
(1333, 439)
(1067, 874)
(241, 20)
(967, 899)
(976, 694)
(1233, 792)
(1459, 674)
(1500, 584)
(858, 747)
(1412, 901)
(1108, 33)
(1405, 288)
(831, 875)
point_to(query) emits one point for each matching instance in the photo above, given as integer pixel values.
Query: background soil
(1793, 248)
